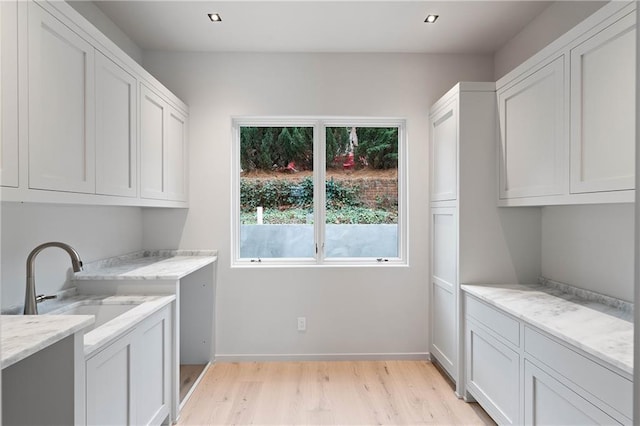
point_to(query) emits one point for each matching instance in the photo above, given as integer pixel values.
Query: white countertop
(597, 329)
(148, 265)
(24, 335)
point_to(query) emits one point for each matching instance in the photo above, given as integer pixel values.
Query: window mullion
(319, 188)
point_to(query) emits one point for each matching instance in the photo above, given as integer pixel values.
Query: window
(319, 191)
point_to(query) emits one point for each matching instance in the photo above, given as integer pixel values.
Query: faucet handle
(42, 297)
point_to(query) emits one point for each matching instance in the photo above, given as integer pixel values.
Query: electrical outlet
(302, 323)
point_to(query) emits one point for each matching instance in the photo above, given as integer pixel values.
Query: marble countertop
(602, 331)
(24, 335)
(111, 330)
(148, 265)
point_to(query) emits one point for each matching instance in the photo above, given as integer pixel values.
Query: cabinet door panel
(109, 387)
(549, 402)
(61, 112)
(444, 153)
(493, 374)
(152, 358)
(152, 141)
(603, 110)
(9, 95)
(115, 129)
(176, 156)
(443, 289)
(532, 134)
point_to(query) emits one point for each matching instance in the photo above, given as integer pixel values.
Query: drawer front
(609, 387)
(501, 324)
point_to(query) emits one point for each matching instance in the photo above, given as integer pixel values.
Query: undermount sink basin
(104, 312)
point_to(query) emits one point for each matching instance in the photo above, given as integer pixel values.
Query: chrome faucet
(30, 298)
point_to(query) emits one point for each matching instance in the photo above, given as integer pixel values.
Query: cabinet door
(603, 109)
(152, 142)
(493, 374)
(444, 153)
(549, 402)
(9, 94)
(61, 106)
(116, 100)
(109, 385)
(151, 371)
(176, 156)
(532, 133)
(444, 290)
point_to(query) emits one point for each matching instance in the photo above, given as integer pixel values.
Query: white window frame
(319, 124)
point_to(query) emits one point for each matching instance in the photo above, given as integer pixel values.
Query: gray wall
(95, 232)
(94, 15)
(362, 310)
(554, 21)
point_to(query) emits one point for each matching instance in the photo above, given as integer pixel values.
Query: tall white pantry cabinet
(472, 240)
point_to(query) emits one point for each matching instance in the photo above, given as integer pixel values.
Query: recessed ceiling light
(431, 19)
(215, 17)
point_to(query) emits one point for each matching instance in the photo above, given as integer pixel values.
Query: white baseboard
(412, 356)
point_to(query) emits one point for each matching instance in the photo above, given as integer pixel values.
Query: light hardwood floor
(327, 393)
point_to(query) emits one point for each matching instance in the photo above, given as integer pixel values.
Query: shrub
(349, 215)
(276, 193)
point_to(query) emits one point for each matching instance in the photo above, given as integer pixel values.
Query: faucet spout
(30, 302)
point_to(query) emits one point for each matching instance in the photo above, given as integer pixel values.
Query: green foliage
(360, 215)
(337, 145)
(379, 146)
(266, 148)
(275, 193)
(265, 193)
(348, 215)
(340, 195)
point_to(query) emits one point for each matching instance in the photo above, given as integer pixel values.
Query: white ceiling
(322, 26)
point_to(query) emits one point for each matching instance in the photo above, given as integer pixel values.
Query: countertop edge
(107, 276)
(124, 324)
(78, 322)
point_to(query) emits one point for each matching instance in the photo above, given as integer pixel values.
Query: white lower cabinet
(548, 402)
(128, 382)
(521, 375)
(493, 374)
(109, 385)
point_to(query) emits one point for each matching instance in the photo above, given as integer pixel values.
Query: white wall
(590, 247)
(554, 21)
(348, 310)
(95, 232)
(102, 22)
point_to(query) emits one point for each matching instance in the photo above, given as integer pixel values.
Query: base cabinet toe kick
(521, 374)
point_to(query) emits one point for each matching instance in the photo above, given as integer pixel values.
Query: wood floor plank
(327, 393)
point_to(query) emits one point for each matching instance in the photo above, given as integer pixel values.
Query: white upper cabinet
(444, 151)
(603, 110)
(9, 95)
(153, 115)
(176, 157)
(72, 124)
(532, 124)
(567, 116)
(116, 148)
(61, 111)
(163, 142)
